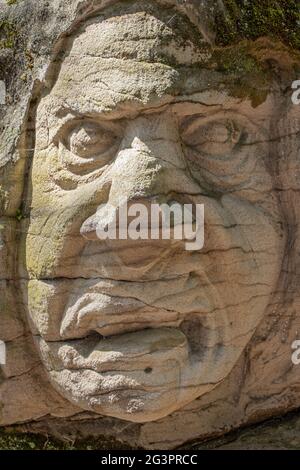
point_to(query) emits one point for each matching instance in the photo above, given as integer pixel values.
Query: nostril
(148, 370)
(96, 226)
(196, 334)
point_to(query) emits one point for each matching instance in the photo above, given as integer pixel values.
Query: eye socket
(215, 138)
(223, 151)
(91, 140)
(86, 147)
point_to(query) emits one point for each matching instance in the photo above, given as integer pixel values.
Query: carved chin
(141, 375)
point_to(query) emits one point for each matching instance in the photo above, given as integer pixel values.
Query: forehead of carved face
(119, 64)
(135, 113)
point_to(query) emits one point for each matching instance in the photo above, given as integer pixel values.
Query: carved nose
(150, 162)
(150, 166)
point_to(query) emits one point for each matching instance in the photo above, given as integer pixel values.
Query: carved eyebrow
(64, 115)
(65, 112)
(73, 121)
(120, 109)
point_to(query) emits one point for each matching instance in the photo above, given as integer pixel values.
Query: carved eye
(92, 140)
(222, 151)
(215, 138)
(86, 147)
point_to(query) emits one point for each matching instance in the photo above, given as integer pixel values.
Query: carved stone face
(137, 329)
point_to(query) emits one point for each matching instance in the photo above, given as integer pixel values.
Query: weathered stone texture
(140, 340)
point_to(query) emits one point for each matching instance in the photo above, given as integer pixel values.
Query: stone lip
(120, 351)
(110, 315)
(135, 376)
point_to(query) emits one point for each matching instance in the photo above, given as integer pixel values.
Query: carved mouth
(112, 315)
(105, 332)
(120, 357)
(149, 347)
(100, 332)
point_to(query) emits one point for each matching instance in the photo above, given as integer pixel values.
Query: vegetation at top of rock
(251, 19)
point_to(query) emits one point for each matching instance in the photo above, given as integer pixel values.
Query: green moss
(19, 215)
(251, 19)
(20, 441)
(8, 35)
(244, 75)
(250, 69)
(3, 199)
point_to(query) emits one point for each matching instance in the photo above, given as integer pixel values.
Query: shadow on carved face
(136, 329)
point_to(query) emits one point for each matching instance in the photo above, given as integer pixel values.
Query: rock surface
(276, 434)
(136, 340)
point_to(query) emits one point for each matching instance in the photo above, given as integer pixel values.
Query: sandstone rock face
(144, 340)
